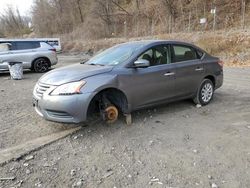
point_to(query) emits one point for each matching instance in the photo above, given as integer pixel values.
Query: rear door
(189, 69)
(24, 51)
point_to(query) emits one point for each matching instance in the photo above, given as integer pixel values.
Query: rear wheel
(205, 92)
(41, 65)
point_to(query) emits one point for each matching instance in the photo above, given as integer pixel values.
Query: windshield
(115, 55)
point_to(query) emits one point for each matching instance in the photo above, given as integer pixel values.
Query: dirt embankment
(231, 46)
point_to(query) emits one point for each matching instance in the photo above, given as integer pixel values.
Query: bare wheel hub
(111, 114)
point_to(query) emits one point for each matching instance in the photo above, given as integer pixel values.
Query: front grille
(40, 89)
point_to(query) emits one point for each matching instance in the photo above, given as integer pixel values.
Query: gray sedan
(128, 77)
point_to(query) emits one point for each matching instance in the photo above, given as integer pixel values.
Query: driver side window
(157, 55)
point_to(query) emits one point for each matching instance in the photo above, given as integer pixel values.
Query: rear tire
(41, 65)
(205, 93)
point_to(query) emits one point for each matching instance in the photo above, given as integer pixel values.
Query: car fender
(98, 83)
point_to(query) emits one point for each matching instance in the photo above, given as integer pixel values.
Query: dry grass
(231, 46)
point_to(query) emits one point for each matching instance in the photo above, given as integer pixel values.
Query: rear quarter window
(199, 54)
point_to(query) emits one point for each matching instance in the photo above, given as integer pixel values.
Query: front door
(153, 84)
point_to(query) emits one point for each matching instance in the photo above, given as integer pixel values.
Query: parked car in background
(128, 77)
(54, 42)
(35, 55)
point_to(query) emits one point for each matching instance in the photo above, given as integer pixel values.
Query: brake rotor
(111, 114)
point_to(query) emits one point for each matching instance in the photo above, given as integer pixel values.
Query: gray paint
(143, 87)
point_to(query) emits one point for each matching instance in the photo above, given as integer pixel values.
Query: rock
(38, 184)
(109, 169)
(248, 126)
(19, 183)
(73, 172)
(210, 177)
(129, 176)
(214, 185)
(94, 168)
(151, 142)
(154, 179)
(12, 168)
(75, 137)
(25, 164)
(79, 183)
(29, 157)
(198, 106)
(28, 171)
(151, 117)
(195, 151)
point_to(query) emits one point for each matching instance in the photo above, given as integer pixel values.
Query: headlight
(69, 88)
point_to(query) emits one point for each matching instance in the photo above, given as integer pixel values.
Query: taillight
(53, 49)
(221, 63)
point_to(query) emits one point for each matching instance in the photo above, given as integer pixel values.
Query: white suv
(35, 55)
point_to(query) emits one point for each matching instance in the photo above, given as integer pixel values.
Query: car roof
(156, 41)
(149, 43)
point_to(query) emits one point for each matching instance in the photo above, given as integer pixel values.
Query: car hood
(72, 73)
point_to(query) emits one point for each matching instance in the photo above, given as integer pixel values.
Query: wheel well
(47, 59)
(115, 96)
(211, 78)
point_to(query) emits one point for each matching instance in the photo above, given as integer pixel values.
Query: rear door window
(183, 53)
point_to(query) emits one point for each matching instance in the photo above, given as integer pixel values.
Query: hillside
(86, 25)
(86, 19)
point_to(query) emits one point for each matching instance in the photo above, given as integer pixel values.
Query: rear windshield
(115, 55)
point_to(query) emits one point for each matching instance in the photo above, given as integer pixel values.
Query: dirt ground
(175, 145)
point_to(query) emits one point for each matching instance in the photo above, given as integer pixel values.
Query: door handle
(169, 74)
(199, 69)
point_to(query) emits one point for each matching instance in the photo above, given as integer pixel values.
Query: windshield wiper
(96, 64)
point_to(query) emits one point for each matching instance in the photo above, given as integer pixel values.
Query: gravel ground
(175, 145)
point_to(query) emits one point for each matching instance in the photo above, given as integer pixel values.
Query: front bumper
(63, 108)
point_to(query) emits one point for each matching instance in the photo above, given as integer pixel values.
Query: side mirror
(141, 63)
